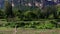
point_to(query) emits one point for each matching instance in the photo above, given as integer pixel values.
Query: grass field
(41, 31)
(29, 31)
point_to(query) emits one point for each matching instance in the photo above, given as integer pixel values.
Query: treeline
(31, 13)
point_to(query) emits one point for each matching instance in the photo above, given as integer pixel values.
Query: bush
(31, 24)
(45, 25)
(2, 15)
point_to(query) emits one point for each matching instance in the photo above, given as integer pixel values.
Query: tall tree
(50, 10)
(8, 10)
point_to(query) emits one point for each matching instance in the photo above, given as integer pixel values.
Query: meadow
(29, 31)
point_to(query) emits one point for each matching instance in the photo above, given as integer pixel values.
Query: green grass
(4, 30)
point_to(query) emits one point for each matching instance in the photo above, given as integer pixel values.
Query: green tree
(2, 14)
(58, 10)
(50, 10)
(8, 10)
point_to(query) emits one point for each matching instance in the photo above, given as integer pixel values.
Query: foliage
(8, 10)
(2, 14)
(31, 14)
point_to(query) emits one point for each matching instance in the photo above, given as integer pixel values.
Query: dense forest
(47, 17)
